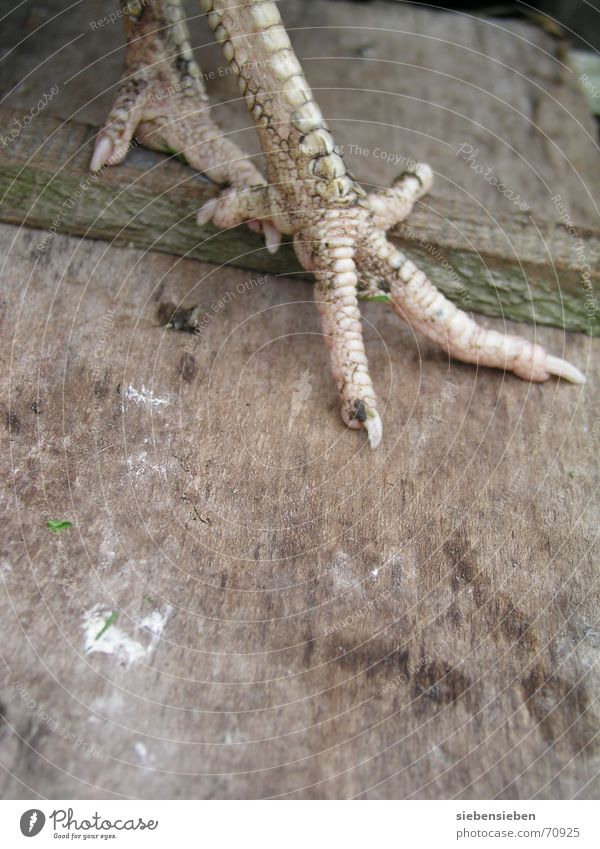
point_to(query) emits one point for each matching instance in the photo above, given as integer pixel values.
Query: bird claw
(104, 151)
(206, 212)
(563, 369)
(339, 231)
(374, 428)
(227, 217)
(272, 237)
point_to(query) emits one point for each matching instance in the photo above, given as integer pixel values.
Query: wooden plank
(394, 79)
(512, 266)
(421, 621)
(418, 622)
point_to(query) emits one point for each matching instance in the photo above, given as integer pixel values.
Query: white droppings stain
(114, 641)
(140, 750)
(144, 396)
(139, 465)
(374, 572)
(155, 623)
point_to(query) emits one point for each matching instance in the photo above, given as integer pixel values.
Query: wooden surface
(393, 80)
(496, 264)
(419, 621)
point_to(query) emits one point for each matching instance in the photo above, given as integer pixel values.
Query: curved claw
(272, 237)
(211, 207)
(561, 368)
(104, 151)
(374, 428)
(206, 211)
(249, 206)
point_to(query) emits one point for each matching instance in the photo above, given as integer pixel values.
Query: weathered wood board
(430, 84)
(418, 621)
(297, 616)
(392, 80)
(508, 265)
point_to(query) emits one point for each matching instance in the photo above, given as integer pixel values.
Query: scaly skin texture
(161, 99)
(338, 230)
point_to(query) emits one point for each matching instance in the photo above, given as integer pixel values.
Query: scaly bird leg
(338, 231)
(310, 194)
(161, 99)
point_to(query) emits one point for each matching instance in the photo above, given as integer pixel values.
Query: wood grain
(421, 621)
(497, 265)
